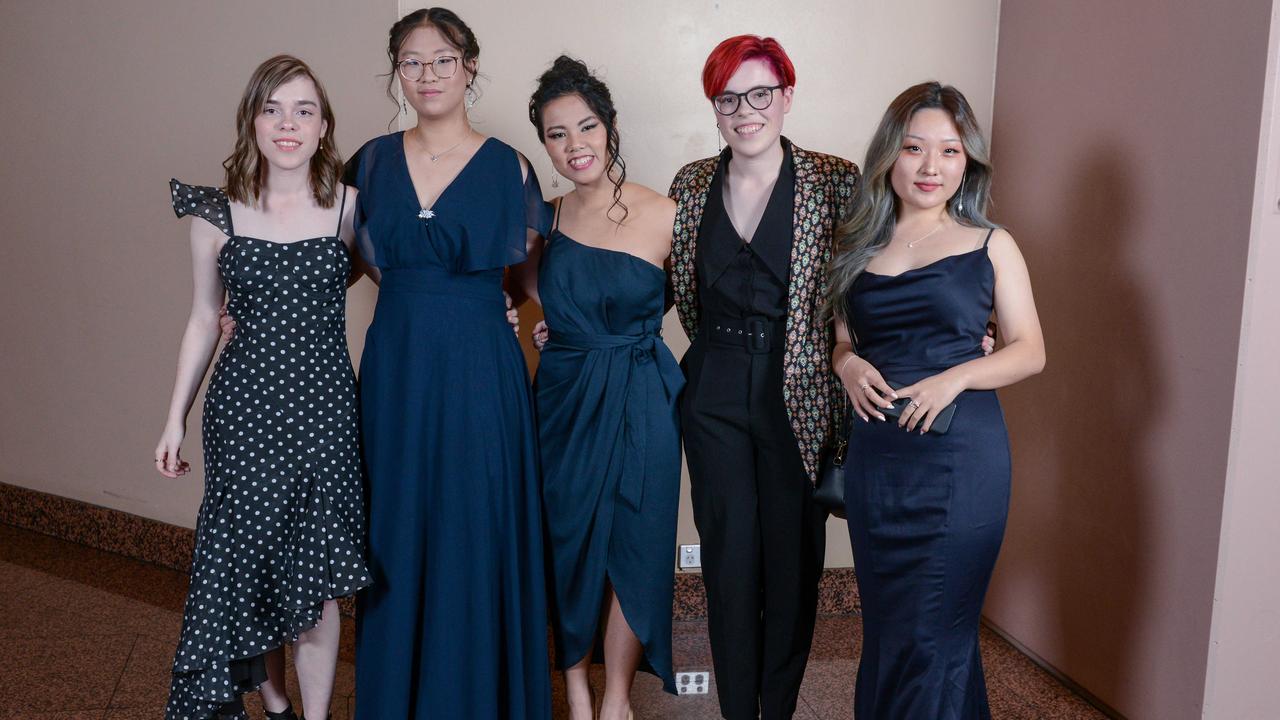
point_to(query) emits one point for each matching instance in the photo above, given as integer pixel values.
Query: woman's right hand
(865, 387)
(169, 462)
(541, 333)
(226, 324)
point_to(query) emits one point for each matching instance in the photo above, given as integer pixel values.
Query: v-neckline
(413, 189)
(744, 241)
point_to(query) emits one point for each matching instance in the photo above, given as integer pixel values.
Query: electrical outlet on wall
(690, 556)
(693, 682)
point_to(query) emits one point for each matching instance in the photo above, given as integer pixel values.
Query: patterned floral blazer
(824, 191)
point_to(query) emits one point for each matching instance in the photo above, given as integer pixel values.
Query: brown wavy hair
(246, 170)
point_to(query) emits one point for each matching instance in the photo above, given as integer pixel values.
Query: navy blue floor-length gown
(455, 624)
(610, 439)
(926, 512)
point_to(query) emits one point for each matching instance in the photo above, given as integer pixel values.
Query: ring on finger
(864, 387)
(914, 404)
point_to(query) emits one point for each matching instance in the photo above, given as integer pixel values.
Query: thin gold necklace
(920, 239)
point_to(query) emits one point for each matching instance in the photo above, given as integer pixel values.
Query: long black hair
(568, 76)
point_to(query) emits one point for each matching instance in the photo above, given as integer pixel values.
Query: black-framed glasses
(757, 97)
(443, 67)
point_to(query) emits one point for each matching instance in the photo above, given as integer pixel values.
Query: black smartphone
(941, 423)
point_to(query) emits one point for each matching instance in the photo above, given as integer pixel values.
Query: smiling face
(289, 126)
(575, 138)
(432, 96)
(931, 162)
(748, 131)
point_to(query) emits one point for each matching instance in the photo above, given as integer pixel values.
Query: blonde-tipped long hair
(874, 215)
(246, 169)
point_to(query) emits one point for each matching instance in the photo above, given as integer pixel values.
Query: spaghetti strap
(342, 207)
(984, 242)
(555, 216)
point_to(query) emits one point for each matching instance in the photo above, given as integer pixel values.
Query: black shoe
(288, 714)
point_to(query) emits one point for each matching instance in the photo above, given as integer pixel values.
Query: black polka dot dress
(281, 527)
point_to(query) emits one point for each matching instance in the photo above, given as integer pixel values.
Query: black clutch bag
(941, 423)
(829, 492)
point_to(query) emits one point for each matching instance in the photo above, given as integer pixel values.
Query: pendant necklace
(436, 156)
(920, 239)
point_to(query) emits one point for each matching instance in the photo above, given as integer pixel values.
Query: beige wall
(849, 56)
(103, 103)
(1125, 143)
(137, 91)
(1244, 648)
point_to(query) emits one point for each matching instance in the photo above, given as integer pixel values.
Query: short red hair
(724, 61)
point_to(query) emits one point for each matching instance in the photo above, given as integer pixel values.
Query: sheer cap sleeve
(538, 212)
(209, 203)
(356, 174)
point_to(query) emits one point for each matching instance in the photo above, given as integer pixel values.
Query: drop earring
(471, 96)
(555, 179)
(404, 106)
(719, 140)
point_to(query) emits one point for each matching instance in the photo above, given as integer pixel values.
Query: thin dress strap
(555, 217)
(341, 208)
(984, 242)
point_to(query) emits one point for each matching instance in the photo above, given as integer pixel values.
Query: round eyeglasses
(413, 69)
(757, 97)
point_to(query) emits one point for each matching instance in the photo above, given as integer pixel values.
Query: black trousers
(762, 536)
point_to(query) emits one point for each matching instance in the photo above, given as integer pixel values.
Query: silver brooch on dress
(425, 214)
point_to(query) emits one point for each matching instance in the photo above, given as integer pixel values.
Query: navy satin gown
(926, 512)
(455, 624)
(610, 440)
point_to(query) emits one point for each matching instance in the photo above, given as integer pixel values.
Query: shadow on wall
(1082, 496)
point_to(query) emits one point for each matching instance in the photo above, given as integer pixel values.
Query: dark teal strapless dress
(609, 432)
(455, 624)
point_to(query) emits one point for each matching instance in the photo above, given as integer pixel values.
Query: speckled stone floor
(90, 635)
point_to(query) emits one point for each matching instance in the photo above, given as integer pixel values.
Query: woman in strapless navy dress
(606, 395)
(918, 275)
(455, 624)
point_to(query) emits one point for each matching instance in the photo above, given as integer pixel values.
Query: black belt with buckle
(755, 333)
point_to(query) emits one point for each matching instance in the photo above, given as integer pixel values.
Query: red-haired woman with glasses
(751, 245)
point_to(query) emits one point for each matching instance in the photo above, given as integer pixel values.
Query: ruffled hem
(208, 685)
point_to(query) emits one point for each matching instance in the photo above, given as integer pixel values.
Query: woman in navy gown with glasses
(455, 625)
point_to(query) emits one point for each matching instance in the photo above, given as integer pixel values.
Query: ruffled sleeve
(356, 174)
(538, 212)
(209, 203)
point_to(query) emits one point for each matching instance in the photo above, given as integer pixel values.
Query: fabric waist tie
(642, 349)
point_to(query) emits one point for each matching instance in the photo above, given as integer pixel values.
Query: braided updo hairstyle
(568, 76)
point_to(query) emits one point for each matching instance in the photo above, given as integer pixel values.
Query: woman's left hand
(928, 397)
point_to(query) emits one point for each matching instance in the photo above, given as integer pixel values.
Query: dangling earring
(555, 179)
(471, 96)
(404, 106)
(719, 140)
(960, 198)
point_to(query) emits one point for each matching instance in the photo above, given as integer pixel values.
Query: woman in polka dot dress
(280, 533)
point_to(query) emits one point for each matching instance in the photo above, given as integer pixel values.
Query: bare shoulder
(204, 234)
(1003, 251)
(652, 209)
(1002, 242)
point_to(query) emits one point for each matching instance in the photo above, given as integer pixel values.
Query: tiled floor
(86, 635)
